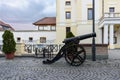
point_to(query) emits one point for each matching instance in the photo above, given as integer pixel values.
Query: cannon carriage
(73, 52)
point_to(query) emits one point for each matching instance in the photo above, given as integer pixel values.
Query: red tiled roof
(7, 25)
(46, 21)
(2, 23)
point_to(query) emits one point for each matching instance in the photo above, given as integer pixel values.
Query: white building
(45, 34)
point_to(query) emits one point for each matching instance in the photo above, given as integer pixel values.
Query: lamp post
(93, 39)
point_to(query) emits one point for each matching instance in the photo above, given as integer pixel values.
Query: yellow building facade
(76, 16)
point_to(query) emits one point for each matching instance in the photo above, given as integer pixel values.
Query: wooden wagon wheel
(75, 55)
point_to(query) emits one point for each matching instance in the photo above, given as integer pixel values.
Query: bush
(69, 34)
(9, 44)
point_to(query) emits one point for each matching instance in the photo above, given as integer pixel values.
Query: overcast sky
(20, 14)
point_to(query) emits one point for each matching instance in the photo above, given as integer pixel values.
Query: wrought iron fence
(42, 49)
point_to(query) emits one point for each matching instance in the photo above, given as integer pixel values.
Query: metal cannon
(73, 52)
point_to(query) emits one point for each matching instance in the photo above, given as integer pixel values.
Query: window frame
(68, 29)
(89, 14)
(41, 40)
(68, 15)
(41, 28)
(67, 3)
(30, 39)
(111, 9)
(53, 28)
(18, 39)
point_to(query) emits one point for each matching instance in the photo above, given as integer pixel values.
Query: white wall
(24, 35)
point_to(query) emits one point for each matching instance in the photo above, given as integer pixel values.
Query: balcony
(109, 18)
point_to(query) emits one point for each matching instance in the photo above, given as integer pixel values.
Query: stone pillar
(111, 40)
(19, 48)
(105, 34)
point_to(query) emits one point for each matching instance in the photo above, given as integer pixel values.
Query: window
(111, 9)
(68, 29)
(67, 3)
(68, 15)
(42, 39)
(90, 14)
(53, 28)
(46, 28)
(18, 39)
(30, 39)
(41, 28)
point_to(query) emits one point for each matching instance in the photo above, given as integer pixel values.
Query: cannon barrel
(79, 37)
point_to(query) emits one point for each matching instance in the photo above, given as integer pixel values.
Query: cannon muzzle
(82, 37)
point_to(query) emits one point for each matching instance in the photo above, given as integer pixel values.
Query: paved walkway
(33, 69)
(114, 54)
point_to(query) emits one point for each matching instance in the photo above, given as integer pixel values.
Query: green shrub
(9, 44)
(69, 34)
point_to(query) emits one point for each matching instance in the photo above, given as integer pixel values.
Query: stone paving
(33, 69)
(114, 54)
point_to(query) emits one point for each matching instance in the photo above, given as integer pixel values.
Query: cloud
(26, 11)
(20, 4)
(50, 8)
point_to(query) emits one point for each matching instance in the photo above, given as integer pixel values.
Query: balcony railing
(109, 16)
(112, 15)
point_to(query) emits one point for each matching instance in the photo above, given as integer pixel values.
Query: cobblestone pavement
(33, 69)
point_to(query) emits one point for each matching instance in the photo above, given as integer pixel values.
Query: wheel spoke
(81, 51)
(80, 58)
(72, 61)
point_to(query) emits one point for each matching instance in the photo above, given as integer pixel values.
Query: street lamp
(93, 39)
